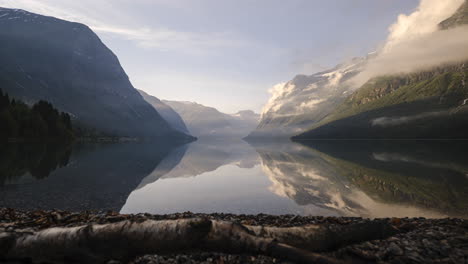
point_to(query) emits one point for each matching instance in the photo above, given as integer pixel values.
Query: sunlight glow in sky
(227, 54)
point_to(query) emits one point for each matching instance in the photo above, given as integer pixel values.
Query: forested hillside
(41, 121)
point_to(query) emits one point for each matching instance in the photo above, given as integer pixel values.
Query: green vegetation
(428, 104)
(444, 83)
(39, 122)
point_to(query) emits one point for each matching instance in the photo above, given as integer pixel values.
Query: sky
(228, 53)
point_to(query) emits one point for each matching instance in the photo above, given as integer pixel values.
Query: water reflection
(358, 178)
(213, 176)
(369, 179)
(96, 177)
(427, 175)
(34, 161)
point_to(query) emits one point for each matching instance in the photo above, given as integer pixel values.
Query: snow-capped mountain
(418, 52)
(415, 89)
(306, 99)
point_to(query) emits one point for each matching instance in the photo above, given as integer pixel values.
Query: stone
(394, 249)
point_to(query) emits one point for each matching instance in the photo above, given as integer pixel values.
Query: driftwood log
(126, 240)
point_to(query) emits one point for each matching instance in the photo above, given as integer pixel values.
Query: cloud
(280, 90)
(425, 52)
(415, 43)
(166, 40)
(101, 19)
(422, 21)
(400, 120)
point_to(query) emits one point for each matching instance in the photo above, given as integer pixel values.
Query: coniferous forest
(40, 121)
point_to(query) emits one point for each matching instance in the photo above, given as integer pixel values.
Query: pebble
(395, 250)
(421, 240)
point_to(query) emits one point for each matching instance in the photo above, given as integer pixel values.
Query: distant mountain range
(430, 103)
(204, 121)
(166, 112)
(65, 63)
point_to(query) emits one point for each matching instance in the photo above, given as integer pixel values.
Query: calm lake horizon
(329, 178)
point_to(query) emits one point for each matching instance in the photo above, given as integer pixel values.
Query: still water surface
(338, 178)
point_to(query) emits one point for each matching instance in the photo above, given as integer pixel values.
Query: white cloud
(101, 18)
(415, 42)
(309, 104)
(425, 52)
(165, 39)
(280, 90)
(422, 21)
(400, 120)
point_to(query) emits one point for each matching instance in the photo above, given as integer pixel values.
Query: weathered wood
(126, 240)
(324, 238)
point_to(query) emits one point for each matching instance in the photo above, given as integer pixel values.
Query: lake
(329, 178)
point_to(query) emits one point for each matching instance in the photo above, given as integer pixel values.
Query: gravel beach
(419, 240)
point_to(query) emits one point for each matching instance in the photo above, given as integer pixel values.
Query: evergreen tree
(42, 121)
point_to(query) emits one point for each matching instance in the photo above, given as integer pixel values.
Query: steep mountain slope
(204, 121)
(297, 104)
(425, 104)
(300, 104)
(66, 64)
(166, 112)
(458, 19)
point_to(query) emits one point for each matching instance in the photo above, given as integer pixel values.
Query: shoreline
(418, 240)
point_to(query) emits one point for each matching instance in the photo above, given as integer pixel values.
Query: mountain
(204, 121)
(244, 121)
(306, 99)
(166, 112)
(424, 104)
(458, 19)
(309, 102)
(428, 104)
(65, 63)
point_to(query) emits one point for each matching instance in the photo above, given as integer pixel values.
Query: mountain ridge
(166, 112)
(205, 121)
(428, 104)
(65, 63)
(306, 99)
(310, 101)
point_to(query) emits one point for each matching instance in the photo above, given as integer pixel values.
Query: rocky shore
(418, 240)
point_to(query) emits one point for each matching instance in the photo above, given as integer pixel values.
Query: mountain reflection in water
(92, 177)
(356, 178)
